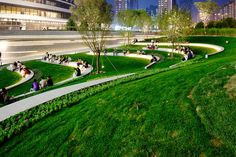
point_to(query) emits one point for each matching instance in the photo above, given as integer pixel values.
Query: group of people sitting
(81, 65)
(141, 52)
(43, 83)
(152, 45)
(20, 67)
(56, 59)
(4, 98)
(186, 51)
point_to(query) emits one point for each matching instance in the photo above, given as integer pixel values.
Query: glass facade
(51, 14)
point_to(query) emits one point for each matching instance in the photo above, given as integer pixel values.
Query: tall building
(165, 5)
(152, 10)
(34, 14)
(124, 5)
(133, 4)
(120, 5)
(227, 11)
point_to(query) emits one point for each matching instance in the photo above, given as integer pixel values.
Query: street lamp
(3, 47)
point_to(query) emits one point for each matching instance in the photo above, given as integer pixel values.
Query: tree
(211, 24)
(95, 18)
(71, 25)
(199, 25)
(175, 25)
(144, 21)
(206, 9)
(127, 18)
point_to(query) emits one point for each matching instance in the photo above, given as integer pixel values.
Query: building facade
(120, 5)
(133, 4)
(152, 10)
(165, 5)
(34, 14)
(124, 5)
(227, 11)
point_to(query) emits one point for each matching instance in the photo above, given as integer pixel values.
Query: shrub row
(215, 31)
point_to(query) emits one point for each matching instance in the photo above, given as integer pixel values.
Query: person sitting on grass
(4, 98)
(43, 83)
(35, 86)
(49, 81)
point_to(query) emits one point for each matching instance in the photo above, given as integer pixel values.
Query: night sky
(145, 3)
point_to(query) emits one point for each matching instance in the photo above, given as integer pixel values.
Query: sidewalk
(28, 103)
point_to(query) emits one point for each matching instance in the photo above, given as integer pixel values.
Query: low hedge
(215, 31)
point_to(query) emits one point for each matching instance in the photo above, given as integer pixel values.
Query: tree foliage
(71, 25)
(206, 9)
(128, 19)
(224, 23)
(199, 25)
(175, 25)
(95, 18)
(144, 20)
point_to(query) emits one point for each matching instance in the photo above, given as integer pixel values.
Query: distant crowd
(153, 45)
(20, 68)
(56, 59)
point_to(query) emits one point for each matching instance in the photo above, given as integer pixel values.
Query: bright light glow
(3, 45)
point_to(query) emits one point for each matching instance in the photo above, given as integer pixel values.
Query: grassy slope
(165, 124)
(57, 72)
(8, 78)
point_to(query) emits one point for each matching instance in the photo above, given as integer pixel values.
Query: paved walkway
(28, 103)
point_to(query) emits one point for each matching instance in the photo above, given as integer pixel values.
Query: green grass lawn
(122, 64)
(57, 72)
(8, 78)
(181, 112)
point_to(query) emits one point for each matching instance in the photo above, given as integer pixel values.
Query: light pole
(3, 47)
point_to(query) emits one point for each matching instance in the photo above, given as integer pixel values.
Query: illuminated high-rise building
(120, 5)
(133, 4)
(165, 5)
(34, 14)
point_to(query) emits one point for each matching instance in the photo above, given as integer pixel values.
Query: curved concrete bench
(74, 65)
(215, 47)
(148, 57)
(71, 64)
(23, 80)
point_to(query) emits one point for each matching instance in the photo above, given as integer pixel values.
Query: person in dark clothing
(77, 71)
(4, 96)
(49, 81)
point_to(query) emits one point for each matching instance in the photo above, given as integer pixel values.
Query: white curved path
(31, 102)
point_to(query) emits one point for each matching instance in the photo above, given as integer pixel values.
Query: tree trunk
(128, 37)
(173, 46)
(98, 62)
